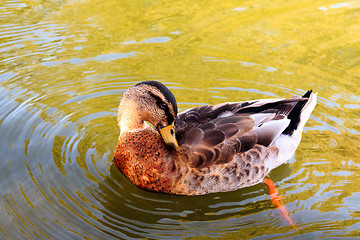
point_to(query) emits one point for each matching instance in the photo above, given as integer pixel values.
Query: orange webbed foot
(277, 201)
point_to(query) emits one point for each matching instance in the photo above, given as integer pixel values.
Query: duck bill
(168, 135)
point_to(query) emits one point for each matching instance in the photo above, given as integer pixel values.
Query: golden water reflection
(65, 64)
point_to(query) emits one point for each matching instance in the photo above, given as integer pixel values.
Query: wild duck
(205, 149)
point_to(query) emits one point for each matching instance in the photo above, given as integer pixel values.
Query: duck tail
(300, 114)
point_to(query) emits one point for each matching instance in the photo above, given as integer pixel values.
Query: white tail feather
(287, 144)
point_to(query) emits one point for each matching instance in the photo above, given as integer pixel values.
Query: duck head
(152, 102)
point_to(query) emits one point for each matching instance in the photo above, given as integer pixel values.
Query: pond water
(64, 66)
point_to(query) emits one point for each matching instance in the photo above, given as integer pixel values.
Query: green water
(64, 66)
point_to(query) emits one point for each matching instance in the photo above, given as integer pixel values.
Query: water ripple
(65, 66)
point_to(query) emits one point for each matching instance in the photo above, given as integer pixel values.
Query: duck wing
(210, 135)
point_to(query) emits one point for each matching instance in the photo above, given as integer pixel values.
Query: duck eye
(163, 106)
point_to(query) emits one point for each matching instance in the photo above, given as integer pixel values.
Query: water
(64, 66)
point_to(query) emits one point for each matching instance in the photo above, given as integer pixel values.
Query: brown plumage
(210, 148)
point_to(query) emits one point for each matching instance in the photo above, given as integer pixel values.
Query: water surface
(64, 66)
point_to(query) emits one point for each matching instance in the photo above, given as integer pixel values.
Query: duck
(205, 149)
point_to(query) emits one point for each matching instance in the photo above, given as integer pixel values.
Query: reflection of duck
(209, 148)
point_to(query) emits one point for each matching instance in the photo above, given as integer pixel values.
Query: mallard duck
(205, 149)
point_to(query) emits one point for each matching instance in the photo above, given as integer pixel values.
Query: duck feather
(245, 125)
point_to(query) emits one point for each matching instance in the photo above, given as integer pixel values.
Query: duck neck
(129, 116)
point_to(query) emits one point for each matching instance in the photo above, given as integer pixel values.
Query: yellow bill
(168, 134)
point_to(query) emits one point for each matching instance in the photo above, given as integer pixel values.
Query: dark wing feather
(206, 139)
(213, 137)
(193, 137)
(283, 107)
(214, 134)
(229, 129)
(207, 126)
(248, 141)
